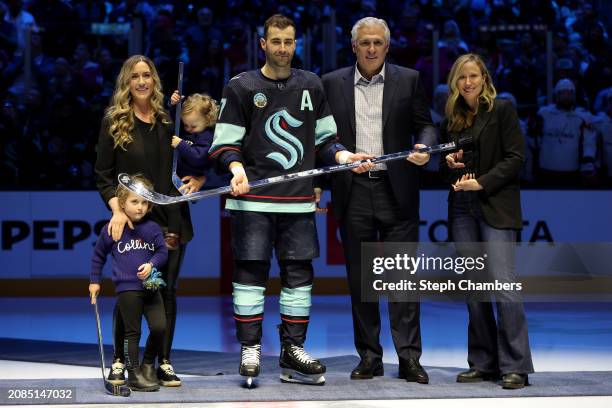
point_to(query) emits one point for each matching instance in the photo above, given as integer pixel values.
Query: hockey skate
(250, 364)
(298, 367)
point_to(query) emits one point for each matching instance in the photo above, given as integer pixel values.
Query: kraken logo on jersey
(276, 131)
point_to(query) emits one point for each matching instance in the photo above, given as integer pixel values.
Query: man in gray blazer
(379, 108)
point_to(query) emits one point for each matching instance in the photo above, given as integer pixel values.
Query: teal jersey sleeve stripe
(243, 205)
(248, 299)
(326, 128)
(296, 301)
(227, 134)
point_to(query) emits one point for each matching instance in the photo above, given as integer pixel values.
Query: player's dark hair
(279, 21)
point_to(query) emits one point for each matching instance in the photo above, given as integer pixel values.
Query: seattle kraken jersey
(603, 125)
(275, 127)
(567, 141)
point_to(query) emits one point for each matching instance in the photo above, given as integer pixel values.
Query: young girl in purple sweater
(136, 257)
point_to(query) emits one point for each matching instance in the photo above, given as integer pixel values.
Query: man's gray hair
(369, 22)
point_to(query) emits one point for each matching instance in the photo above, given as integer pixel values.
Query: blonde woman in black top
(484, 207)
(135, 137)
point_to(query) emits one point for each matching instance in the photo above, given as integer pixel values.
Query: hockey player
(274, 121)
(565, 142)
(602, 123)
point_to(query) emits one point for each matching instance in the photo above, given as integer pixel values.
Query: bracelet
(171, 235)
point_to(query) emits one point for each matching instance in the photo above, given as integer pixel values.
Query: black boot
(137, 381)
(475, 375)
(514, 381)
(149, 372)
(412, 371)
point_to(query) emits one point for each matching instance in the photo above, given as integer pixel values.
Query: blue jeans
(500, 345)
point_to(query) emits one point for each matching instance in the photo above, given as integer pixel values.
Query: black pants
(374, 215)
(249, 283)
(132, 306)
(170, 275)
(255, 235)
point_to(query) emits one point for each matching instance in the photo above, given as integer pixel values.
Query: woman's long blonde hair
(458, 112)
(120, 111)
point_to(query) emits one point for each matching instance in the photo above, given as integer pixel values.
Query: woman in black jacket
(135, 137)
(484, 207)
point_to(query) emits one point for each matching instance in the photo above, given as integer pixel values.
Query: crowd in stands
(52, 109)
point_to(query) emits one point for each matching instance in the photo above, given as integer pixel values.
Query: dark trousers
(294, 275)
(293, 238)
(373, 214)
(170, 273)
(132, 306)
(500, 345)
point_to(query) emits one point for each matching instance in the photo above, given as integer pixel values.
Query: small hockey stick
(176, 180)
(118, 390)
(162, 199)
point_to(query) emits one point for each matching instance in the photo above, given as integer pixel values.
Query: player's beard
(278, 61)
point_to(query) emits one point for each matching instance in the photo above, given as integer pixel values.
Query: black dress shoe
(412, 371)
(473, 375)
(514, 381)
(367, 369)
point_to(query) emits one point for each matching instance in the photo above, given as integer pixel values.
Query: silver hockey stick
(176, 180)
(162, 199)
(113, 389)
